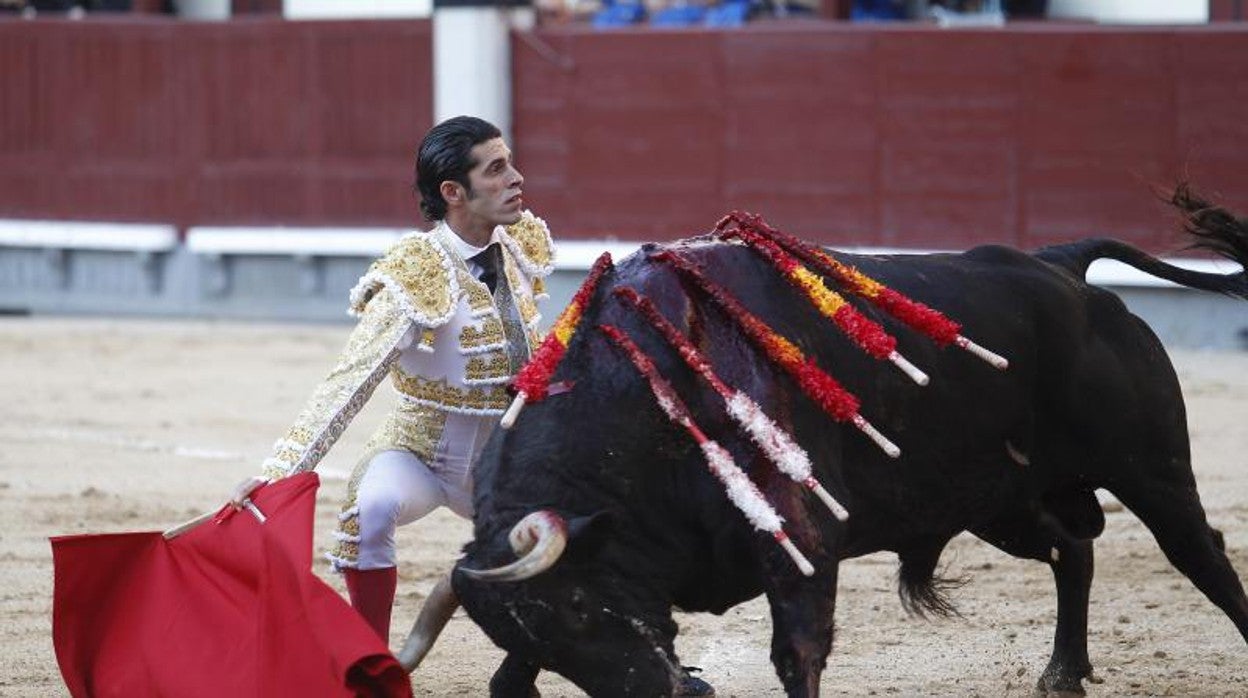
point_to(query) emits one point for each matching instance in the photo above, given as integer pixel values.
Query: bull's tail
(1211, 228)
(923, 592)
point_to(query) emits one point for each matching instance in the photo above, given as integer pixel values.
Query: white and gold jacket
(425, 321)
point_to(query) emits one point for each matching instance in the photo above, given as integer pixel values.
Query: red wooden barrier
(251, 121)
(884, 135)
(910, 136)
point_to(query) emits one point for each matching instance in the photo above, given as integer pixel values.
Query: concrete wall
(1132, 11)
(293, 275)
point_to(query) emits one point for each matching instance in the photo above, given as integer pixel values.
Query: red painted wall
(256, 121)
(876, 135)
(1227, 10)
(910, 136)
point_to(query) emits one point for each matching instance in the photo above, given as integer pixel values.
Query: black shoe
(690, 685)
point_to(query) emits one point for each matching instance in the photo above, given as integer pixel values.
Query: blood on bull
(603, 508)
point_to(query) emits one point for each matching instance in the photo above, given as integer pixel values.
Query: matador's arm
(382, 333)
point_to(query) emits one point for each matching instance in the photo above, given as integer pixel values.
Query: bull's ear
(587, 534)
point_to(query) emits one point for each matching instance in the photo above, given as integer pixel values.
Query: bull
(596, 514)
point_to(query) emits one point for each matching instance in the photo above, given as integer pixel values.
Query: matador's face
(494, 195)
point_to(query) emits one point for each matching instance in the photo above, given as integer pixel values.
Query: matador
(450, 316)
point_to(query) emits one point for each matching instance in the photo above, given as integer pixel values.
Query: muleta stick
(790, 458)
(741, 490)
(533, 381)
(839, 403)
(863, 331)
(917, 316)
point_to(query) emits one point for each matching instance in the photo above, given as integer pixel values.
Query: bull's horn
(539, 540)
(438, 609)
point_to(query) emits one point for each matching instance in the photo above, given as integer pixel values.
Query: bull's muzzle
(538, 539)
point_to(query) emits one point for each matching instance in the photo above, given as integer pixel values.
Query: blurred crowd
(74, 8)
(609, 14)
(606, 14)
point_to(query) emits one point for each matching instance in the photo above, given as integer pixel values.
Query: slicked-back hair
(446, 154)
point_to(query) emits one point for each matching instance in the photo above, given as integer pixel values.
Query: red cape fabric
(229, 609)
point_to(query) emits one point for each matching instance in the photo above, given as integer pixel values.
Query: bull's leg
(1145, 454)
(514, 678)
(1043, 538)
(1177, 520)
(801, 627)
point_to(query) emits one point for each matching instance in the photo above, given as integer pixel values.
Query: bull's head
(538, 539)
(558, 605)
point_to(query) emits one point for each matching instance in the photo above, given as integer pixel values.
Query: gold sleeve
(372, 348)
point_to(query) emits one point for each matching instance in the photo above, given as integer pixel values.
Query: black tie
(491, 262)
(488, 259)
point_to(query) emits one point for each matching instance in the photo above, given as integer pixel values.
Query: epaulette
(418, 271)
(529, 241)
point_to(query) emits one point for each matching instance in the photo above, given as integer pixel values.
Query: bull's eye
(577, 602)
(577, 611)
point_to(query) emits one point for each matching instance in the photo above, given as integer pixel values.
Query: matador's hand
(244, 489)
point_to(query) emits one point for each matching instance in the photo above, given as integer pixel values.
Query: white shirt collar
(461, 246)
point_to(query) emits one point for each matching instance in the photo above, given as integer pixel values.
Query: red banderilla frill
(533, 380)
(917, 316)
(741, 490)
(839, 403)
(863, 331)
(790, 458)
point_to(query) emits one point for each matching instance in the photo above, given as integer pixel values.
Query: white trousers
(398, 488)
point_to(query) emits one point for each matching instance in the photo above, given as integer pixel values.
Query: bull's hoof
(690, 685)
(1063, 679)
(1057, 687)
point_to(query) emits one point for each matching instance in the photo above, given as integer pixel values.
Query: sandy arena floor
(118, 425)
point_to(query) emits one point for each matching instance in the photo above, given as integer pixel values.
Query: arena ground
(113, 425)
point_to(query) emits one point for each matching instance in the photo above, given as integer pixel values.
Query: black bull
(1089, 401)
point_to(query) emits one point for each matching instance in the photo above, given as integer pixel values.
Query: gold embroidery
(528, 309)
(524, 302)
(288, 455)
(518, 296)
(478, 295)
(534, 241)
(364, 362)
(438, 393)
(539, 286)
(292, 447)
(410, 427)
(345, 554)
(491, 366)
(513, 274)
(427, 337)
(422, 271)
(490, 334)
(299, 434)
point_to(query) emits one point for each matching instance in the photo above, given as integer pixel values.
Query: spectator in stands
(1014, 9)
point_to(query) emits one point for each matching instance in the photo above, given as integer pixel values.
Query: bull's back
(1088, 381)
(976, 441)
(956, 434)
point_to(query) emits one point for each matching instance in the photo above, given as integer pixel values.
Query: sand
(118, 425)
